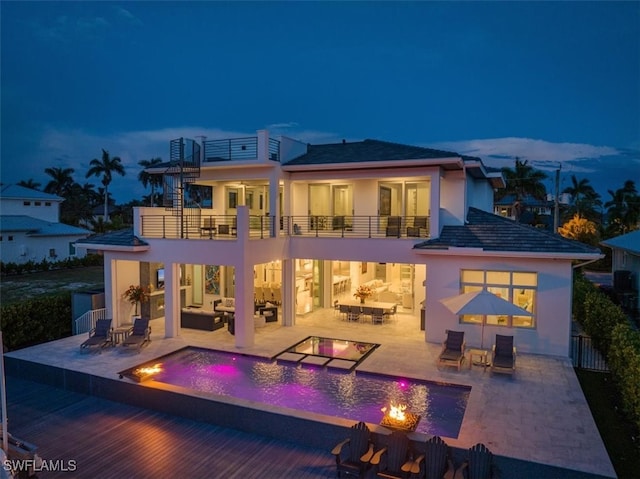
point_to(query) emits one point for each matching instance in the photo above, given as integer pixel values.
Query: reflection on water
(333, 348)
(355, 396)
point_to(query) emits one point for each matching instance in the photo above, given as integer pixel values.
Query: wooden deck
(108, 439)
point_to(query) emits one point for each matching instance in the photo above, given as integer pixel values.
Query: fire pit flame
(149, 370)
(398, 418)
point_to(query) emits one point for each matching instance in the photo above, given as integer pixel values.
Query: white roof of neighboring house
(36, 227)
(21, 193)
(629, 242)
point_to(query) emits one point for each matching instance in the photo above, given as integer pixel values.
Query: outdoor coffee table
(481, 357)
(120, 334)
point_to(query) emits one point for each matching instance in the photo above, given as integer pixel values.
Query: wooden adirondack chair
(436, 461)
(354, 453)
(393, 461)
(478, 466)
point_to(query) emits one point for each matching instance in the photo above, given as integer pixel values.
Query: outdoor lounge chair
(393, 226)
(419, 227)
(354, 453)
(503, 355)
(453, 349)
(479, 464)
(140, 334)
(435, 462)
(100, 336)
(393, 460)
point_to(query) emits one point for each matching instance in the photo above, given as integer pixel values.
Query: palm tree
(524, 180)
(105, 167)
(34, 185)
(149, 179)
(61, 182)
(584, 198)
(623, 209)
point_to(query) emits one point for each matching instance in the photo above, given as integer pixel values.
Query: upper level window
(47, 203)
(38, 203)
(26, 203)
(520, 288)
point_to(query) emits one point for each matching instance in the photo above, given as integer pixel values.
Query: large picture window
(520, 288)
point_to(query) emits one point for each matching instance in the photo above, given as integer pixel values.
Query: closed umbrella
(484, 303)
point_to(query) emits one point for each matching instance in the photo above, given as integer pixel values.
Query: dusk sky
(552, 83)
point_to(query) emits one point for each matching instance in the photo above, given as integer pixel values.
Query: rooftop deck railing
(224, 227)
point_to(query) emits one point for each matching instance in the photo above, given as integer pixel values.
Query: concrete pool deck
(538, 415)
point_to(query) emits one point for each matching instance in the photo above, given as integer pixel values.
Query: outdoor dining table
(387, 308)
(370, 304)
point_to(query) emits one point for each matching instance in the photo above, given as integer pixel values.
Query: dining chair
(354, 313)
(366, 311)
(377, 315)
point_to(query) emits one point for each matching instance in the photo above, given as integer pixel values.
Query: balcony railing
(357, 226)
(231, 149)
(224, 227)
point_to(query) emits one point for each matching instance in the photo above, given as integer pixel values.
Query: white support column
(434, 213)
(263, 145)
(111, 294)
(288, 292)
(274, 201)
(172, 300)
(244, 306)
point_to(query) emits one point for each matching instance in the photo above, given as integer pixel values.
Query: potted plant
(135, 295)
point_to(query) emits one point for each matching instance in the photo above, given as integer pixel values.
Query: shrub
(601, 315)
(624, 362)
(36, 321)
(7, 269)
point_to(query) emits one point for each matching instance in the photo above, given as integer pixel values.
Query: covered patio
(538, 415)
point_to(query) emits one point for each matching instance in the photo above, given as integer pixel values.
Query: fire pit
(397, 417)
(147, 372)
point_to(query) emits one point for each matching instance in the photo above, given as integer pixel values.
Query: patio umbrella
(482, 302)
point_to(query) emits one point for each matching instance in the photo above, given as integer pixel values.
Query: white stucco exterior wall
(553, 306)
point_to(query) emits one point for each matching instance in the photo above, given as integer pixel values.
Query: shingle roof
(365, 151)
(629, 242)
(123, 237)
(38, 227)
(491, 232)
(20, 192)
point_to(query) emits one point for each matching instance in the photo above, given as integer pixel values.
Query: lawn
(617, 434)
(21, 287)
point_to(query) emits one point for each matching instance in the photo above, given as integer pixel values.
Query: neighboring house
(625, 267)
(30, 228)
(530, 210)
(304, 225)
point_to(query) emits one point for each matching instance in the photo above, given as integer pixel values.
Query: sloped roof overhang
(454, 163)
(457, 251)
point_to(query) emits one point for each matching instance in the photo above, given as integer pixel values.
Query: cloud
(542, 154)
(66, 29)
(607, 168)
(127, 16)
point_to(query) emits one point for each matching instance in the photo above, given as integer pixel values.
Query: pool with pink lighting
(357, 396)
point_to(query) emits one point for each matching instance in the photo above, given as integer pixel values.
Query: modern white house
(249, 220)
(30, 228)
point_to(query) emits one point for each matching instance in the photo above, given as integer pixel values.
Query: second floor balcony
(227, 227)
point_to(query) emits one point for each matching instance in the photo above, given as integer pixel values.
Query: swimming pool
(356, 396)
